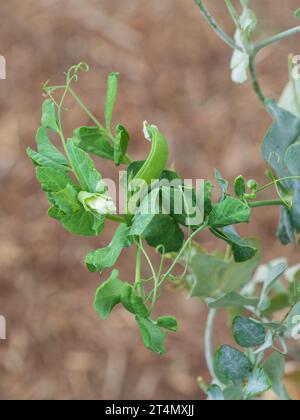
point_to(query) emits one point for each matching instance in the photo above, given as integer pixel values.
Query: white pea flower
(240, 59)
(101, 204)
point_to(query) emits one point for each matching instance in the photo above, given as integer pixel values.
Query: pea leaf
(83, 223)
(223, 184)
(55, 213)
(121, 145)
(164, 231)
(231, 300)
(84, 168)
(52, 179)
(285, 231)
(153, 337)
(248, 333)
(47, 154)
(229, 212)
(168, 323)
(213, 277)
(133, 303)
(66, 199)
(93, 140)
(234, 392)
(112, 90)
(49, 117)
(240, 186)
(258, 383)
(108, 295)
(243, 249)
(274, 272)
(274, 368)
(231, 365)
(215, 393)
(107, 257)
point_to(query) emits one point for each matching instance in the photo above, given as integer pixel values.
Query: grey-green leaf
(274, 368)
(258, 383)
(215, 393)
(231, 365)
(248, 333)
(233, 300)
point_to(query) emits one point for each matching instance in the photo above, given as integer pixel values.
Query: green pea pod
(154, 165)
(158, 157)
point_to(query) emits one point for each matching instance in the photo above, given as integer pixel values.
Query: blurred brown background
(175, 73)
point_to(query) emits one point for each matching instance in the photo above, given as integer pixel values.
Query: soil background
(174, 73)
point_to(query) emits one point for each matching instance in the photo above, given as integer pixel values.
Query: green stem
(219, 31)
(115, 218)
(256, 85)
(265, 203)
(188, 241)
(138, 278)
(209, 332)
(277, 38)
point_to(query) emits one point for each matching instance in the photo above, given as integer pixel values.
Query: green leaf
(164, 231)
(108, 295)
(66, 199)
(53, 180)
(229, 212)
(231, 300)
(107, 257)
(93, 140)
(47, 154)
(133, 303)
(213, 277)
(215, 393)
(46, 148)
(112, 91)
(231, 365)
(234, 392)
(274, 273)
(121, 145)
(83, 223)
(55, 213)
(223, 184)
(240, 186)
(243, 249)
(258, 383)
(168, 323)
(274, 368)
(49, 117)
(248, 333)
(84, 168)
(153, 337)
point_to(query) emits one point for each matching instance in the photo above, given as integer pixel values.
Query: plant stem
(277, 38)
(256, 85)
(190, 239)
(219, 31)
(209, 331)
(115, 218)
(265, 203)
(138, 278)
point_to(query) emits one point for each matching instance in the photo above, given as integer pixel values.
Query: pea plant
(262, 302)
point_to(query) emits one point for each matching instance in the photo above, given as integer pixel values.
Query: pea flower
(99, 203)
(240, 59)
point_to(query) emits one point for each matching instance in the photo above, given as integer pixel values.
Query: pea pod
(158, 156)
(152, 168)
